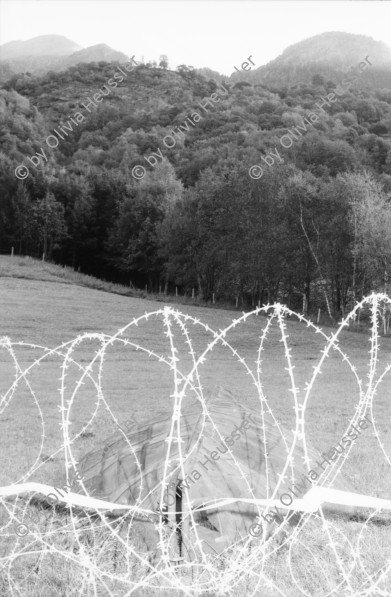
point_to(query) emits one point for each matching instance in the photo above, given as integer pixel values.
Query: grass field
(45, 306)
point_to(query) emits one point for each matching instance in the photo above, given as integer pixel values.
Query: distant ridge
(44, 45)
(51, 52)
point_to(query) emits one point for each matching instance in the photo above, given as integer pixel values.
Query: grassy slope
(48, 309)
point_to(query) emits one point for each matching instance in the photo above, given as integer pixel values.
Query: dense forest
(316, 226)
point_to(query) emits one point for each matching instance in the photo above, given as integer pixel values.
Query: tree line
(315, 228)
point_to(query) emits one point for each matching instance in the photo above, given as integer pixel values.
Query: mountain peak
(330, 54)
(336, 47)
(97, 53)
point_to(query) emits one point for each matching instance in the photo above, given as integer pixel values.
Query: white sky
(218, 34)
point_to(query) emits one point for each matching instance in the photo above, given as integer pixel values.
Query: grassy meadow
(46, 306)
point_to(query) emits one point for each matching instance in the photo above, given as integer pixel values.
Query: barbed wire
(101, 543)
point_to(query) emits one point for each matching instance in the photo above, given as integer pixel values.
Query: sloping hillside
(148, 175)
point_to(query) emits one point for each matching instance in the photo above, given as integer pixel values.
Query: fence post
(43, 256)
(318, 316)
(176, 290)
(146, 288)
(305, 306)
(192, 293)
(237, 301)
(213, 298)
(12, 251)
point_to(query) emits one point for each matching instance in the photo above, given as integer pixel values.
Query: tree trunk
(322, 280)
(307, 293)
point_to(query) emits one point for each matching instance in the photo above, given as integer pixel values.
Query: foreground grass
(45, 306)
